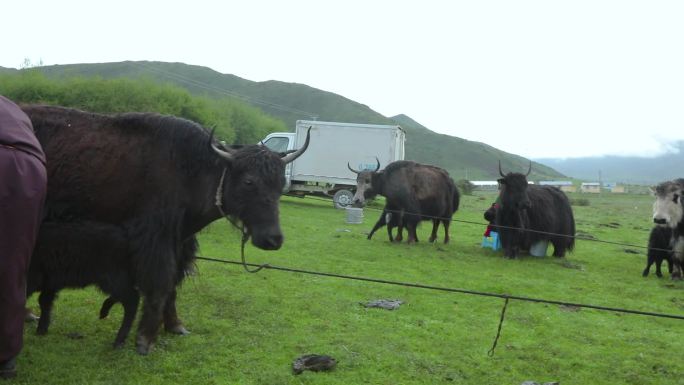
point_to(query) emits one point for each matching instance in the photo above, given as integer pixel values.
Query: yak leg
(435, 226)
(148, 328)
(559, 248)
(171, 322)
(400, 228)
(45, 300)
(649, 262)
(658, 263)
(677, 255)
(130, 304)
(381, 222)
(106, 306)
(411, 225)
(446, 224)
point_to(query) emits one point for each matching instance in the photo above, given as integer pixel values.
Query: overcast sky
(535, 78)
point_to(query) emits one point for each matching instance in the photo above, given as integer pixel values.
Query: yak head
(667, 208)
(253, 181)
(364, 184)
(514, 190)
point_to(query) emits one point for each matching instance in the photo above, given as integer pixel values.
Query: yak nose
(273, 242)
(267, 240)
(659, 221)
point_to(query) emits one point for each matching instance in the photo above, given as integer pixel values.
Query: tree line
(234, 121)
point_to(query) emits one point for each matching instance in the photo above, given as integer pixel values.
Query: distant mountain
(634, 170)
(291, 101)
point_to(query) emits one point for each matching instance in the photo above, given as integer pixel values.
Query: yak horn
(352, 170)
(529, 170)
(501, 172)
(377, 160)
(290, 157)
(223, 154)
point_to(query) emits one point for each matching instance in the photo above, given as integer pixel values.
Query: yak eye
(248, 182)
(675, 197)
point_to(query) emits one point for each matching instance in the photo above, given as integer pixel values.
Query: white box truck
(322, 169)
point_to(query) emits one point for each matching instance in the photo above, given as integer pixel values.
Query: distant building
(564, 185)
(485, 185)
(590, 187)
(618, 189)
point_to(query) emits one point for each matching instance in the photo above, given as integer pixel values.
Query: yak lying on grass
(137, 166)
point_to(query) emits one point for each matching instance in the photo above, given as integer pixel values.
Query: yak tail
(456, 197)
(571, 244)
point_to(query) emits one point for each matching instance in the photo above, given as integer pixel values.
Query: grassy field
(248, 328)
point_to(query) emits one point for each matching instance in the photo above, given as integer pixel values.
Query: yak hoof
(178, 329)
(143, 346)
(30, 317)
(41, 331)
(119, 344)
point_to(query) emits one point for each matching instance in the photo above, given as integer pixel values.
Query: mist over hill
(623, 169)
(291, 101)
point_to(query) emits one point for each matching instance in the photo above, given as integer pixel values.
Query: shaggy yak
(156, 169)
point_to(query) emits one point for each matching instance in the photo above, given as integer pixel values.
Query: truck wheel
(342, 199)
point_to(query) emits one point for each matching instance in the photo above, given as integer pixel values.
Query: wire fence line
(505, 297)
(576, 237)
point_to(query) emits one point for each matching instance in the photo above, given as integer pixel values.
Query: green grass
(248, 328)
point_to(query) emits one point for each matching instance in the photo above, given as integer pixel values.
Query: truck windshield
(277, 144)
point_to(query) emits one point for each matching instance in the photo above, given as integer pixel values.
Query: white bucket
(354, 215)
(538, 249)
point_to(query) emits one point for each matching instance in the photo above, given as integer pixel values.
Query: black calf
(659, 249)
(79, 254)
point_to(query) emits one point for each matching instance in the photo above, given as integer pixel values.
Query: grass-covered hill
(290, 101)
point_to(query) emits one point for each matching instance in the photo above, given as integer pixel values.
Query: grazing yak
(78, 254)
(659, 250)
(413, 192)
(543, 209)
(155, 169)
(668, 212)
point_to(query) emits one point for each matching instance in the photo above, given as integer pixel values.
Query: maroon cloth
(16, 130)
(22, 194)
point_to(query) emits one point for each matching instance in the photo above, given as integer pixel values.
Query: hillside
(623, 169)
(290, 101)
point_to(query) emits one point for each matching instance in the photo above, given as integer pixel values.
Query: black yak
(78, 254)
(117, 168)
(413, 192)
(659, 250)
(668, 212)
(544, 209)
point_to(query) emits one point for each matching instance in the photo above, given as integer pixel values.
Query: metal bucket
(538, 249)
(354, 215)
